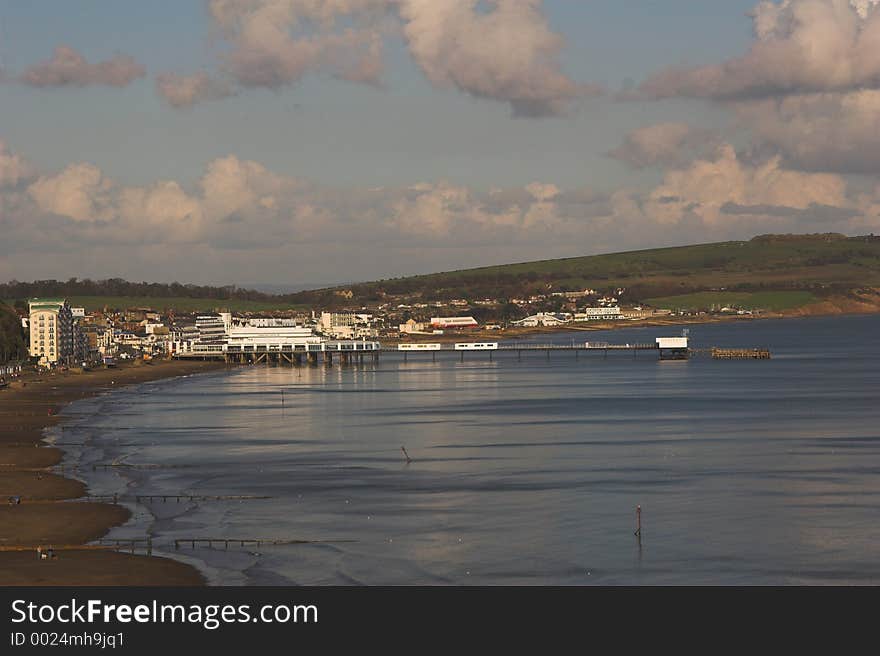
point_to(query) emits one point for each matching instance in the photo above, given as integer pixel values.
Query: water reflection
(527, 471)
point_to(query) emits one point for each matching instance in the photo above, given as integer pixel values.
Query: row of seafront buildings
(60, 335)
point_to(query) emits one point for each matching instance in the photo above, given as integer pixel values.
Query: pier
(244, 542)
(350, 352)
(740, 354)
(298, 353)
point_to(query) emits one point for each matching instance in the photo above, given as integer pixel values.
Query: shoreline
(46, 515)
(510, 334)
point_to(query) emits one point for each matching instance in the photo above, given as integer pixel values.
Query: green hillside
(818, 265)
(773, 272)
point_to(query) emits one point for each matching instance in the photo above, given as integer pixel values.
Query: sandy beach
(45, 516)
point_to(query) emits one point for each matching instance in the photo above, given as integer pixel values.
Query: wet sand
(46, 514)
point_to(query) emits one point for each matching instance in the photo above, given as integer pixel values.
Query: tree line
(12, 340)
(119, 287)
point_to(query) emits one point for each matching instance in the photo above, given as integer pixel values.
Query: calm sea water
(523, 472)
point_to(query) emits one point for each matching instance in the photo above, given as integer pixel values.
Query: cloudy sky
(321, 141)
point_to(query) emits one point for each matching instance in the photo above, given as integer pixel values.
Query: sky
(320, 141)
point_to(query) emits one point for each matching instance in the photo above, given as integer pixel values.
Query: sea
(520, 471)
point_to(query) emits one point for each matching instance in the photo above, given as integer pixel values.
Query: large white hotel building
(55, 336)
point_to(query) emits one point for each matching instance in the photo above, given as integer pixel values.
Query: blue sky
(340, 138)
(336, 132)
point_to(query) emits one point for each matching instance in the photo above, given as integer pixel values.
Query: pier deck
(357, 351)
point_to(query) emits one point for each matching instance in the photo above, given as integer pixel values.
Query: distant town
(60, 334)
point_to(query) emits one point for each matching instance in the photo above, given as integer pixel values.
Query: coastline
(593, 326)
(45, 515)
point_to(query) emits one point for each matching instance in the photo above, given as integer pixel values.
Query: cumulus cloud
(187, 90)
(664, 144)
(242, 201)
(808, 88)
(277, 42)
(13, 168)
(80, 191)
(165, 207)
(819, 132)
(232, 186)
(239, 210)
(800, 46)
(706, 187)
(507, 53)
(67, 67)
(502, 50)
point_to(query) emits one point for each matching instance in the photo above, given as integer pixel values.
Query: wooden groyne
(740, 354)
(140, 498)
(104, 544)
(145, 544)
(243, 542)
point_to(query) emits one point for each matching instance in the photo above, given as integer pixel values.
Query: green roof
(46, 303)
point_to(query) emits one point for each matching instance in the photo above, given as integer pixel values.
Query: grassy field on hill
(817, 264)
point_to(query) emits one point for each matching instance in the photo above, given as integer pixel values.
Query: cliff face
(12, 342)
(862, 301)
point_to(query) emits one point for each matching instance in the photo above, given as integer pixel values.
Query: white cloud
(240, 206)
(664, 144)
(80, 192)
(507, 53)
(800, 46)
(502, 50)
(67, 67)
(808, 88)
(277, 42)
(13, 168)
(704, 188)
(819, 132)
(164, 207)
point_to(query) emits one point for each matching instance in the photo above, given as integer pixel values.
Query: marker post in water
(406, 455)
(638, 521)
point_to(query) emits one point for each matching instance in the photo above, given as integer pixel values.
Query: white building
(331, 320)
(346, 325)
(545, 319)
(575, 295)
(245, 337)
(453, 322)
(213, 328)
(270, 322)
(599, 314)
(55, 337)
(413, 327)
